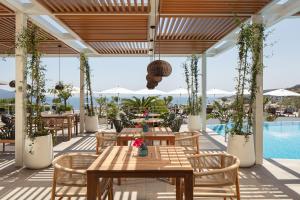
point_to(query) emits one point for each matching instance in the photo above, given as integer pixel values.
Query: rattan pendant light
(59, 85)
(157, 68)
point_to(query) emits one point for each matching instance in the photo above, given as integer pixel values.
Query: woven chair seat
(214, 192)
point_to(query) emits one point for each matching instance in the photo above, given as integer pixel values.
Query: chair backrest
(105, 139)
(188, 140)
(221, 167)
(70, 169)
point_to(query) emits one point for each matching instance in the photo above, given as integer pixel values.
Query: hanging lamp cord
(59, 46)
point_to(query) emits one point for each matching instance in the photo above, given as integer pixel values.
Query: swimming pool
(281, 139)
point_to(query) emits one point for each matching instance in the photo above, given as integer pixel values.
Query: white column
(21, 85)
(82, 114)
(203, 85)
(258, 108)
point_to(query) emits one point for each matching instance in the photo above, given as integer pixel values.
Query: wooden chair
(188, 140)
(70, 177)
(105, 139)
(53, 125)
(215, 175)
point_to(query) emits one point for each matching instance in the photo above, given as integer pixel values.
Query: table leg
(91, 186)
(188, 187)
(178, 189)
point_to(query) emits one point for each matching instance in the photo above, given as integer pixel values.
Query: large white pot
(91, 123)
(38, 152)
(194, 122)
(243, 148)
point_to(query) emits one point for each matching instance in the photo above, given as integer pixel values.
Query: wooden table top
(124, 158)
(150, 120)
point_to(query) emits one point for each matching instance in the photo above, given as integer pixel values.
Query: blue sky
(282, 62)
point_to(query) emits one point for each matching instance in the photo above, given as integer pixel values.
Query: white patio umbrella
(117, 90)
(218, 92)
(3, 82)
(282, 93)
(150, 92)
(180, 92)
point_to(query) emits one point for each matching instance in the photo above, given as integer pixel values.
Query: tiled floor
(276, 179)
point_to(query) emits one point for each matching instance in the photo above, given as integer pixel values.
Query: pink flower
(138, 142)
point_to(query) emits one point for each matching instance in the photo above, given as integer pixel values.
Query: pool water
(281, 139)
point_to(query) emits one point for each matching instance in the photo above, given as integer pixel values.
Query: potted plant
(63, 94)
(102, 102)
(191, 71)
(240, 141)
(38, 152)
(91, 119)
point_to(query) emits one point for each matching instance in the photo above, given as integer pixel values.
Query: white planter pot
(194, 122)
(38, 153)
(243, 148)
(91, 123)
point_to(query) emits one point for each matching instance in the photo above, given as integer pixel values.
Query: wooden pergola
(136, 28)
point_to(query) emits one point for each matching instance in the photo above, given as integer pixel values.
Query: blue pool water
(281, 139)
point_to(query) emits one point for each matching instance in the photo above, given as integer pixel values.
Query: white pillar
(21, 85)
(203, 80)
(258, 107)
(82, 114)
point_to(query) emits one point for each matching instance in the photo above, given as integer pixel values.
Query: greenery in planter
(250, 46)
(35, 73)
(191, 72)
(102, 102)
(221, 111)
(168, 100)
(89, 93)
(63, 96)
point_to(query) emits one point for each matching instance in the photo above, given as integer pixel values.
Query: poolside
(281, 138)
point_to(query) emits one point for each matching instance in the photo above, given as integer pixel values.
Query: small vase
(143, 150)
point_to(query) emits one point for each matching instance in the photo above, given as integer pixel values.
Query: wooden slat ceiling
(49, 44)
(108, 28)
(213, 7)
(121, 26)
(96, 6)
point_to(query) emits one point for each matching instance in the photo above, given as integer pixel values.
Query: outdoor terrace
(275, 179)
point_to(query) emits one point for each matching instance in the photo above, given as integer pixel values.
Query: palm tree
(168, 100)
(140, 103)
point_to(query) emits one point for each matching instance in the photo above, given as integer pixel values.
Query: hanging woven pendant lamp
(59, 85)
(157, 68)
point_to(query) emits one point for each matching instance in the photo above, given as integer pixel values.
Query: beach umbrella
(179, 91)
(218, 92)
(150, 92)
(282, 93)
(117, 90)
(3, 82)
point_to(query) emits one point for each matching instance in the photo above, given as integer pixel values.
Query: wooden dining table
(152, 115)
(69, 117)
(161, 162)
(154, 134)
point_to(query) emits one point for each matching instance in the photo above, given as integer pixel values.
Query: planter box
(194, 122)
(91, 123)
(38, 153)
(243, 148)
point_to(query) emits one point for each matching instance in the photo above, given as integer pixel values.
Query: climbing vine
(250, 47)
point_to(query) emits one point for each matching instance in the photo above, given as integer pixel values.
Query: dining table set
(163, 160)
